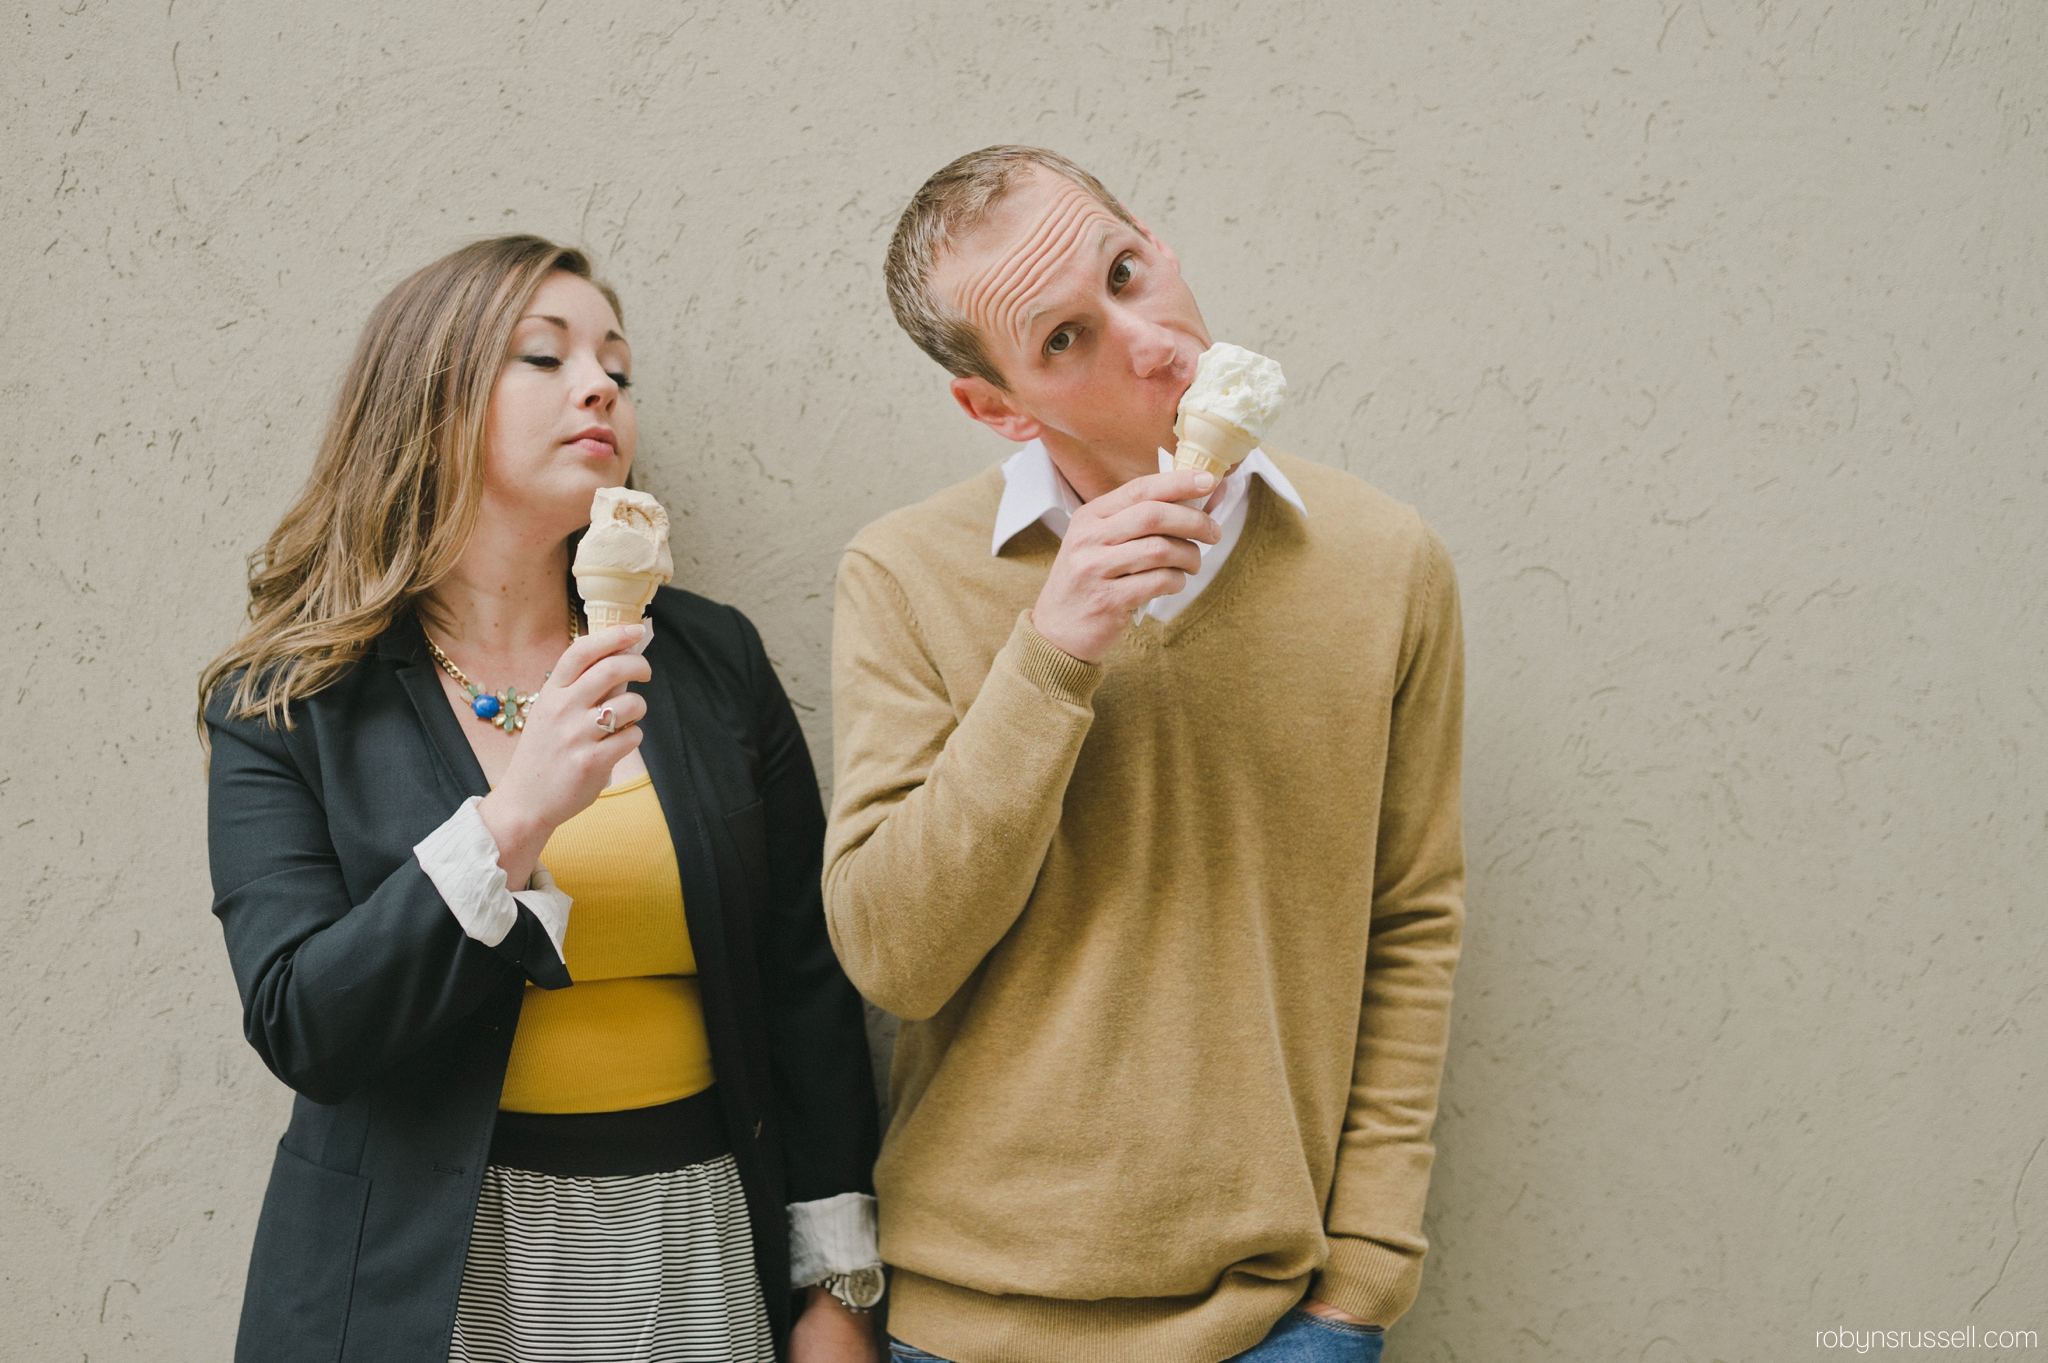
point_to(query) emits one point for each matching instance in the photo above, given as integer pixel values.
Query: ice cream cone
(623, 557)
(1210, 444)
(615, 598)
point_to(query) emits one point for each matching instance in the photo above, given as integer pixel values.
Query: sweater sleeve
(1384, 1156)
(940, 820)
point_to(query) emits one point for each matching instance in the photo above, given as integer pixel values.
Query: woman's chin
(579, 486)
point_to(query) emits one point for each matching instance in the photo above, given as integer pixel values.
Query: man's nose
(1152, 347)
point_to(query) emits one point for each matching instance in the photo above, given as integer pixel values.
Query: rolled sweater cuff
(1366, 1278)
(1053, 670)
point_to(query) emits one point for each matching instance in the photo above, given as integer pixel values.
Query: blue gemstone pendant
(507, 709)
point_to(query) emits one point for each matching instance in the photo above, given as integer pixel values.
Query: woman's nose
(599, 389)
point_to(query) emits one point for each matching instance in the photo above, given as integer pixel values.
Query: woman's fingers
(582, 725)
(583, 653)
(606, 677)
(619, 711)
(611, 747)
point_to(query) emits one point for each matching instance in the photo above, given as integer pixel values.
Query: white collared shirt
(1033, 490)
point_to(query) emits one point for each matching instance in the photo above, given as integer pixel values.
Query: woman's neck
(508, 596)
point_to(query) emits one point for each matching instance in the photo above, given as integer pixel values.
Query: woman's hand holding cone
(565, 755)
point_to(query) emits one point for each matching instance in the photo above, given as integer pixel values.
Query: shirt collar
(1033, 490)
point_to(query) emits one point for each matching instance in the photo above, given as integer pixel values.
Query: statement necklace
(507, 708)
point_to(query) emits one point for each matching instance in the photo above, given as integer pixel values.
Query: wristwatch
(856, 1291)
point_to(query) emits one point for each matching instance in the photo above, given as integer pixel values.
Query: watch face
(864, 1286)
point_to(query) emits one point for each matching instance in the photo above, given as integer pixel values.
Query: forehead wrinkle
(1003, 276)
(1008, 285)
(1077, 245)
(1028, 275)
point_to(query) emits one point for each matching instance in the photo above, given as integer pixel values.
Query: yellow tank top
(630, 1032)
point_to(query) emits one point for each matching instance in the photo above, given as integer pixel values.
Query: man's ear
(992, 407)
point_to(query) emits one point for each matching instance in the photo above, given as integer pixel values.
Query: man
(1169, 906)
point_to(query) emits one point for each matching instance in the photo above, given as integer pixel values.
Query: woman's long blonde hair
(393, 497)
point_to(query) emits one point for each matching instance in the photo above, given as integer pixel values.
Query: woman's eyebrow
(559, 322)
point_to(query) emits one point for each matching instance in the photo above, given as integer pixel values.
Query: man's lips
(597, 442)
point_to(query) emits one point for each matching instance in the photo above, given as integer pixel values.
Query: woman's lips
(594, 446)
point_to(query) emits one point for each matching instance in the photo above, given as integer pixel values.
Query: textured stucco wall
(1709, 334)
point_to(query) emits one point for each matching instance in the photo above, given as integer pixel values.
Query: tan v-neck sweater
(1172, 936)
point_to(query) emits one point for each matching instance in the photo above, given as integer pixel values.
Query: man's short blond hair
(945, 208)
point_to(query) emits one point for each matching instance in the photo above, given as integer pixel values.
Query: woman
(484, 1162)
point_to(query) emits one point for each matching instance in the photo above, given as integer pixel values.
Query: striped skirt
(646, 1267)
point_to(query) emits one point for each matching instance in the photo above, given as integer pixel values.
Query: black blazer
(360, 990)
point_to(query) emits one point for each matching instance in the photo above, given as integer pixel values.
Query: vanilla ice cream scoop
(623, 557)
(1226, 410)
(1238, 386)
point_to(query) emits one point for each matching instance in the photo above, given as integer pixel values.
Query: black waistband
(641, 1140)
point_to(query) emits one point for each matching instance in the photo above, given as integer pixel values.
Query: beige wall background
(1707, 332)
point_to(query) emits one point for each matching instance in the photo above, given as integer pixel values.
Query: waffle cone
(1209, 444)
(615, 598)
(604, 614)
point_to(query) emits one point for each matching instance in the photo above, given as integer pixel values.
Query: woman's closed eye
(550, 363)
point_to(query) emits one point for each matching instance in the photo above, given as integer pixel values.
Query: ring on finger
(607, 721)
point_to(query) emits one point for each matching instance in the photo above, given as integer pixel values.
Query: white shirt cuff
(831, 1235)
(461, 858)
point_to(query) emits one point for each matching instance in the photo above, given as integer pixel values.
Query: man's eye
(1120, 273)
(1059, 341)
(542, 361)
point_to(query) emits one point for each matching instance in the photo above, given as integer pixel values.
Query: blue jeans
(1303, 1338)
(1298, 1338)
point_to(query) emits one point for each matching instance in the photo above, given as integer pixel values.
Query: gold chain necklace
(507, 708)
